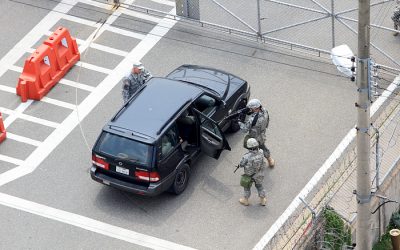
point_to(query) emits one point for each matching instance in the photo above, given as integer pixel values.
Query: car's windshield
(125, 149)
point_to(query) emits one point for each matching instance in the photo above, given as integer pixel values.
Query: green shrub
(337, 234)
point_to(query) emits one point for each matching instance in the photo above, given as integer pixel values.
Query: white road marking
(16, 115)
(88, 224)
(15, 68)
(108, 49)
(142, 16)
(82, 21)
(10, 160)
(321, 172)
(165, 2)
(94, 67)
(58, 103)
(76, 85)
(20, 109)
(23, 139)
(7, 89)
(126, 32)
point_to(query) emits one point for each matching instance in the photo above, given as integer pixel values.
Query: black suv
(151, 142)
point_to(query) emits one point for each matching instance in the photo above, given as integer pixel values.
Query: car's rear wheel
(181, 179)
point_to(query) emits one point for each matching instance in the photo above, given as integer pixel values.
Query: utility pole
(363, 192)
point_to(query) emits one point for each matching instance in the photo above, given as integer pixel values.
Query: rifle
(237, 167)
(241, 113)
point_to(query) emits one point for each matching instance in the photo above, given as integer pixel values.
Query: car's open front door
(212, 139)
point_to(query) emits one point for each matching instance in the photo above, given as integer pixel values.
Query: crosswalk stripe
(23, 139)
(11, 160)
(58, 103)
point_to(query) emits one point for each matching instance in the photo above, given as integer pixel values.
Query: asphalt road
(48, 200)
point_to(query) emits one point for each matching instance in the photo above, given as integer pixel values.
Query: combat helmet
(252, 143)
(253, 104)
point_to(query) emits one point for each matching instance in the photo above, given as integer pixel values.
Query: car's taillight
(100, 162)
(147, 176)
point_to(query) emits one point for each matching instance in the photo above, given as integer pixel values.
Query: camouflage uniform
(396, 19)
(258, 130)
(254, 165)
(132, 82)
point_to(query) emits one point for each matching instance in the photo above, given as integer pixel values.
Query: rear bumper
(153, 189)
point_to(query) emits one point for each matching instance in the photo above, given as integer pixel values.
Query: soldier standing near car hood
(134, 80)
(256, 127)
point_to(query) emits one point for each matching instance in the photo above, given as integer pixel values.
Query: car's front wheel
(181, 179)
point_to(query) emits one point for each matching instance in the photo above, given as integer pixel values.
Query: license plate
(122, 170)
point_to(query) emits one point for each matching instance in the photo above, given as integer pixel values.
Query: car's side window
(205, 104)
(169, 140)
(211, 127)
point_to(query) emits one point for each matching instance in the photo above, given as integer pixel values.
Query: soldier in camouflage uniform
(256, 127)
(134, 80)
(396, 17)
(254, 166)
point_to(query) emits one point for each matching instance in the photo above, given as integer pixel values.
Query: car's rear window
(125, 149)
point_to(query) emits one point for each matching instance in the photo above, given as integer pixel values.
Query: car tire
(234, 127)
(181, 179)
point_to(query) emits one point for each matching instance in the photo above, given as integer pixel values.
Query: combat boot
(263, 201)
(271, 162)
(244, 201)
(395, 33)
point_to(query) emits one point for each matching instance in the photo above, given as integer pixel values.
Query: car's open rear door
(212, 139)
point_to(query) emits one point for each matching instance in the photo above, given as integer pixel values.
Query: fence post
(259, 33)
(188, 8)
(333, 23)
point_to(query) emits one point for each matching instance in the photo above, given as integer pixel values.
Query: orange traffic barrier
(47, 65)
(2, 129)
(65, 48)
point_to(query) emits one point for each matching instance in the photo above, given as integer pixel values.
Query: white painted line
(58, 103)
(16, 69)
(23, 139)
(38, 120)
(10, 160)
(76, 85)
(8, 89)
(109, 49)
(126, 32)
(142, 16)
(319, 174)
(81, 21)
(20, 109)
(97, 4)
(89, 224)
(94, 67)
(165, 2)
(79, 41)
(30, 50)
(33, 119)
